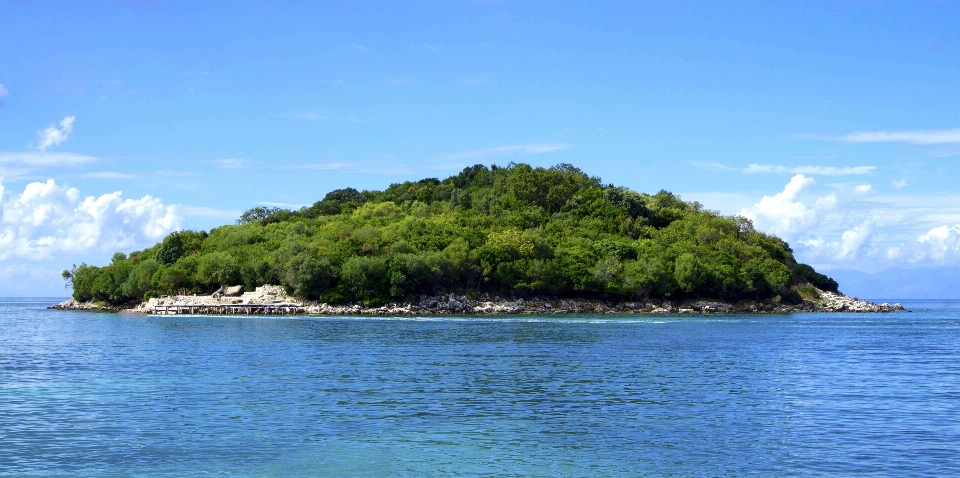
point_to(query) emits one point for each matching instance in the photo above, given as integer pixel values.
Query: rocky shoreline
(273, 297)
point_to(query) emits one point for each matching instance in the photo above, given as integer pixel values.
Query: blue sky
(834, 125)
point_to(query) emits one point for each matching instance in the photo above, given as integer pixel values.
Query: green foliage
(366, 279)
(345, 195)
(512, 230)
(264, 215)
(217, 269)
(308, 276)
(822, 282)
(177, 245)
(809, 292)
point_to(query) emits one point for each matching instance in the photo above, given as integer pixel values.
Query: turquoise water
(807, 394)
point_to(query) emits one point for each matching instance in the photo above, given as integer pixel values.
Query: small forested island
(490, 235)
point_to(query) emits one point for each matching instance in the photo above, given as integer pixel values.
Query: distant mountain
(892, 284)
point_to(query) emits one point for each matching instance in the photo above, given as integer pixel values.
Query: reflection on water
(101, 394)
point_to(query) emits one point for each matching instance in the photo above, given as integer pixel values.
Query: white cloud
(784, 214)
(852, 244)
(863, 231)
(284, 205)
(109, 175)
(526, 148)
(899, 184)
(853, 240)
(232, 163)
(170, 173)
(203, 211)
(824, 231)
(942, 136)
(52, 136)
(710, 166)
(3, 91)
(821, 170)
(19, 164)
(46, 219)
(942, 243)
(41, 159)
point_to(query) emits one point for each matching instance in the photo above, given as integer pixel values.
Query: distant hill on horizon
(894, 284)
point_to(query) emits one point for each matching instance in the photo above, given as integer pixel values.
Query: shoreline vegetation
(513, 239)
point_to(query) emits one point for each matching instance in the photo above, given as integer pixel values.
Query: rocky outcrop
(841, 303)
(486, 304)
(92, 306)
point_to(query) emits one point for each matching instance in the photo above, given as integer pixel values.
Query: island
(499, 239)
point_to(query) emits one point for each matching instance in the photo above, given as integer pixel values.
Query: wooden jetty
(228, 309)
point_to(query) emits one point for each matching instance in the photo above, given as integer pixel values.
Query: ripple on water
(828, 394)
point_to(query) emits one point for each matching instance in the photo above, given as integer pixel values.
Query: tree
(345, 195)
(170, 249)
(217, 269)
(366, 278)
(688, 272)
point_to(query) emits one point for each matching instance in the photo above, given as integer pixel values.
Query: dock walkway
(227, 309)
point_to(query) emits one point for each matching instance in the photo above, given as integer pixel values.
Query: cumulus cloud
(819, 226)
(47, 218)
(821, 170)
(53, 136)
(853, 243)
(941, 136)
(3, 91)
(899, 184)
(784, 214)
(941, 243)
(527, 148)
(939, 246)
(859, 229)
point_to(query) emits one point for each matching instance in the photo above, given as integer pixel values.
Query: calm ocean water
(777, 395)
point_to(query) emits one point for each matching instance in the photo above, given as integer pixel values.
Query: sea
(814, 394)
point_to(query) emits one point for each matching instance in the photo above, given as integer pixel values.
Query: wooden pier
(228, 309)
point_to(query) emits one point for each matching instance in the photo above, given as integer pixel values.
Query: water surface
(86, 393)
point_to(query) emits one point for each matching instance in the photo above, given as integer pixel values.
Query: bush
(365, 278)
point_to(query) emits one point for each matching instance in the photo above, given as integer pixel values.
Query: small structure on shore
(228, 300)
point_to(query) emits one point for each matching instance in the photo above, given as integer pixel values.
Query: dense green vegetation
(514, 230)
